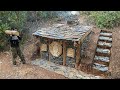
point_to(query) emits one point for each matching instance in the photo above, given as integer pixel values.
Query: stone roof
(63, 31)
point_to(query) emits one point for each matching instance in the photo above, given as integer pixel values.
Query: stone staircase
(102, 54)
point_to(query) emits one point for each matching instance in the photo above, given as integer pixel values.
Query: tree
(10, 19)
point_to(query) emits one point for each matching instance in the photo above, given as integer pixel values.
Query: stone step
(103, 47)
(101, 62)
(100, 67)
(104, 31)
(103, 51)
(105, 38)
(102, 58)
(106, 34)
(104, 44)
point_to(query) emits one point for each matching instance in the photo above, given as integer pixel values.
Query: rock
(0, 62)
(63, 68)
(42, 62)
(79, 76)
(100, 67)
(97, 77)
(102, 58)
(87, 77)
(68, 72)
(71, 74)
(106, 34)
(105, 44)
(105, 38)
(55, 68)
(106, 51)
(60, 72)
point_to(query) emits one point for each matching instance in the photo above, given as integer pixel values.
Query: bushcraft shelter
(62, 40)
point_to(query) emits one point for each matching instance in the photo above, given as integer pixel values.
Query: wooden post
(78, 58)
(40, 48)
(84, 36)
(64, 53)
(48, 49)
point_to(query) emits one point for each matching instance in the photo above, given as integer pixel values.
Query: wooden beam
(40, 49)
(84, 36)
(107, 30)
(48, 49)
(78, 58)
(78, 50)
(64, 53)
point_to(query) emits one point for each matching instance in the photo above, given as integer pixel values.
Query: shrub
(46, 14)
(10, 19)
(105, 19)
(3, 37)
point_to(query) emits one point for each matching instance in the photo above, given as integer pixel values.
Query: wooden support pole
(41, 53)
(78, 50)
(78, 58)
(40, 48)
(84, 36)
(48, 49)
(64, 53)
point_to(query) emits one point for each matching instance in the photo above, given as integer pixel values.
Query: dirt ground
(27, 71)
(114, 66)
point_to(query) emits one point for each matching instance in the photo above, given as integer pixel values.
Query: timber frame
(77, 48)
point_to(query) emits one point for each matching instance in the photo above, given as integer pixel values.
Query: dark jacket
(14, 42)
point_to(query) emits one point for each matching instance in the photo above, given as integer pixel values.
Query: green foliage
(40, 15)
(3, 27)
(105, 19)
(85, 12)
(10, 19)
(3, 37)
(18, 19)
(46, 14)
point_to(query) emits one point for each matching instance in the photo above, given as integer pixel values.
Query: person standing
(15, 48)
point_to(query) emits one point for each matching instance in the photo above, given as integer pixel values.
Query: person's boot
(23, 62)
(14, 62)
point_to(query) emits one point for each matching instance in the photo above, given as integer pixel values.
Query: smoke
(68, 15)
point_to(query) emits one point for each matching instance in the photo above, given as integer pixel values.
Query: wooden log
(40, 49)
(55, 48)
(106, 31)
(11, 32)
(78, 46)
(84, 36)
(78, 58)
(48, 45)
(64, 53)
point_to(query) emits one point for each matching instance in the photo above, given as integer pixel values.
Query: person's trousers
(17, 52)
